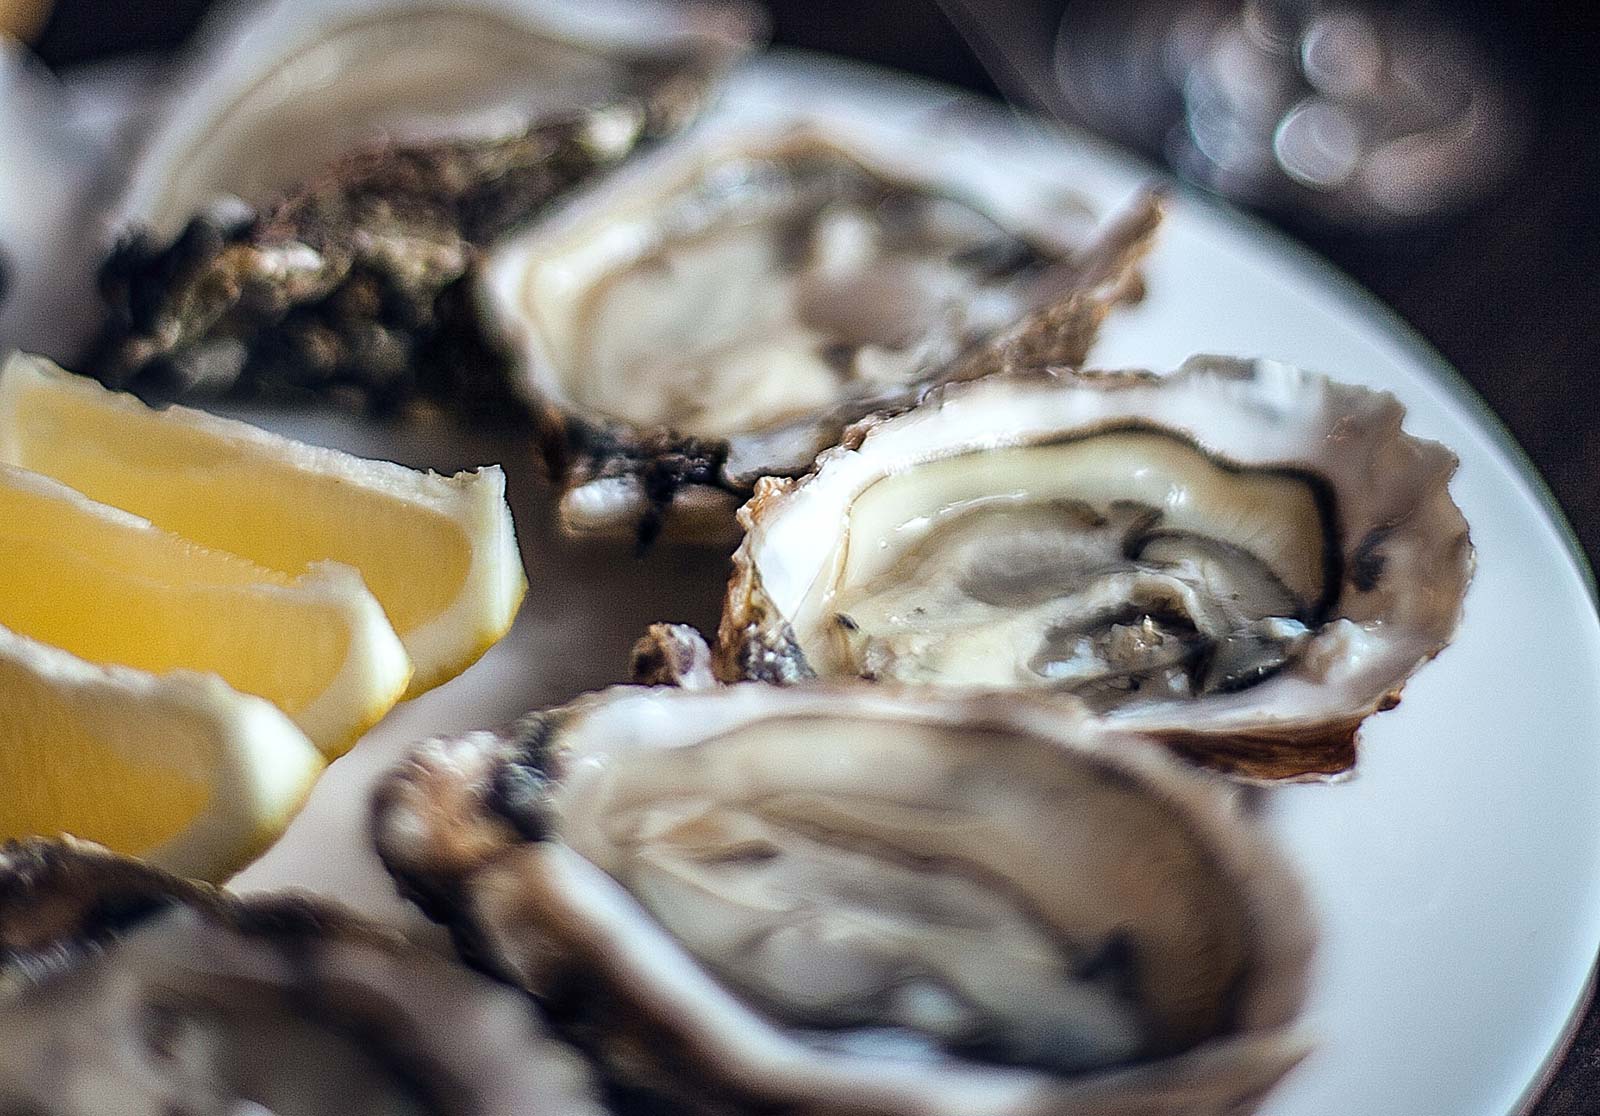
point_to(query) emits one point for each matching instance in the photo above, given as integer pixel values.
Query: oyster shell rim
(620, 480)
(67, 903)
(350, 280)
(471, 808)
(755, 640)
(222, 63)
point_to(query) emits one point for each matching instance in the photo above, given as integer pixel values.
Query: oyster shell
(329, 172)
(721, 310)
(125, 990)
(846, 899)
(1240, 558)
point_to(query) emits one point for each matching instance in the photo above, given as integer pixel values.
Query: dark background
(1508, 292)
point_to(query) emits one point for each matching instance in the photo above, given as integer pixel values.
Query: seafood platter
(558, 560)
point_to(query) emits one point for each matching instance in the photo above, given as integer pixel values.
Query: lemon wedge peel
(84, 741)
(375, 673)
(439, 553)
(109, 587)
(492, 589)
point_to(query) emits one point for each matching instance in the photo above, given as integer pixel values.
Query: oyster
(1240, 558)
(125, 990)
(842, 899)
(329, 173)
(721, 310)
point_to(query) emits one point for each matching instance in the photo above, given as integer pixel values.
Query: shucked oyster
(327, 173)
(278, 94)
(720, 311)
(837, 899)
(127, 992)
(1241, 558)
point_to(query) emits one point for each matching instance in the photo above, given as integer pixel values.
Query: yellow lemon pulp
(111, 588)
(438, 553)
(180, 769)
(84, 786)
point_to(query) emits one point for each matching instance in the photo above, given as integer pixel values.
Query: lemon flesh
(439, 553)
(181, 769)
(111, 588)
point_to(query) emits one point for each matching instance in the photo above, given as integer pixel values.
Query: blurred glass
(1364, 116)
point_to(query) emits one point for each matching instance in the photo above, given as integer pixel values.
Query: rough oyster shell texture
(276, 244)
(841, 898)
(868, 259)
(1240, 558)
(124, 989)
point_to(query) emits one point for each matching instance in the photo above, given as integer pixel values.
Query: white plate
(1457, 876)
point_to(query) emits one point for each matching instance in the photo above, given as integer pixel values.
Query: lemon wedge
(109, 587)
(180, 769)
(439, 553)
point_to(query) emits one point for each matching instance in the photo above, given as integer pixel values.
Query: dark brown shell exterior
(357, 283)
(448, 1041)
(65, 901)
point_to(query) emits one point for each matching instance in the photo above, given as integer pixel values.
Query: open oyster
(842, 899)
(127, 991)
(327, 172)
(721, 310)
(1240, 558)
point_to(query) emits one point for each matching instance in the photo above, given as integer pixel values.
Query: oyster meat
(329, 172)
(124, 990)
(721, 310)
(1241, 558)
(845, 898)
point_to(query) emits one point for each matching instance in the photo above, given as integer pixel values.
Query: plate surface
(1456, 875)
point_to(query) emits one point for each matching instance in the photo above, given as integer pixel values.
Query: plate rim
(1351, 293)
(1340, 287)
